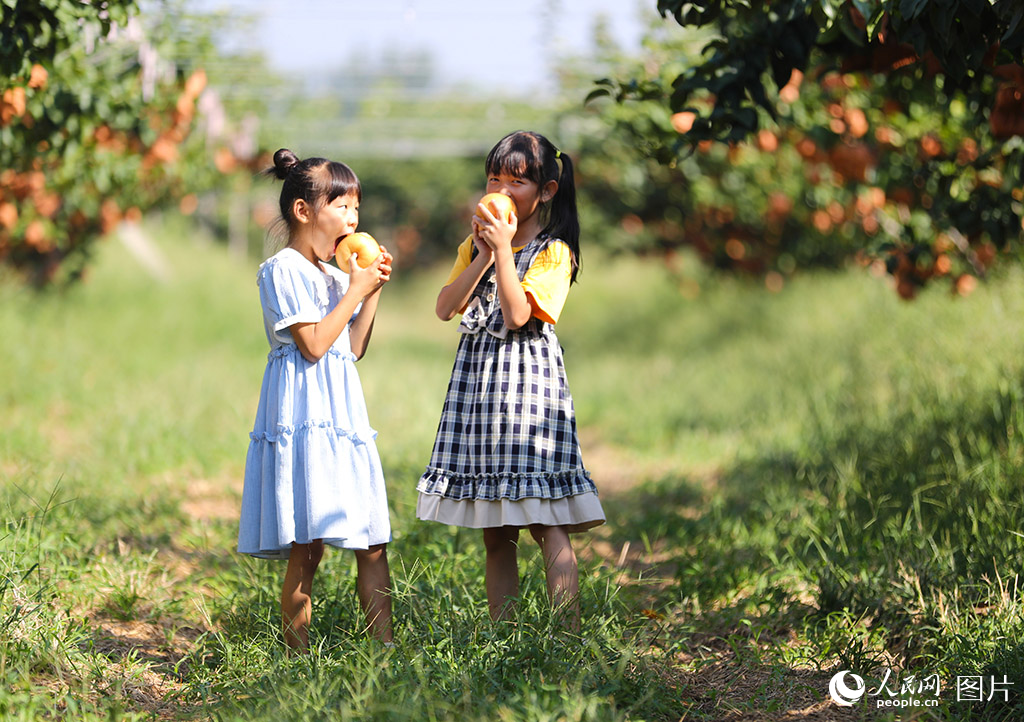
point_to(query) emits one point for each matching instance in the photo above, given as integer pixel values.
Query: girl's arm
(515, 306)
(362, 326)
(455, 295)
(497, 233)
(314, 339)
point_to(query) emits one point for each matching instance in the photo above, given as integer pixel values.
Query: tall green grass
(823, 478)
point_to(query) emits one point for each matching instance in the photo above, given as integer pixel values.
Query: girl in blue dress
(507, 455)
(312, 473)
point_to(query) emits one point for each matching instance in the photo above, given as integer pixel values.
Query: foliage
(851, 126)
(758, 46)
(95, 125)
(36, 32)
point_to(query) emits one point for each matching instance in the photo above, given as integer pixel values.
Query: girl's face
(335, 220)
(526, 194)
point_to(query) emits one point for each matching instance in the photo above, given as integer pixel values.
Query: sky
(471, 41)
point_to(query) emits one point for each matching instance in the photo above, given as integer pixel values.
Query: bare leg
(561, 570)
(502, 570)
(373, 584)
(296, 595)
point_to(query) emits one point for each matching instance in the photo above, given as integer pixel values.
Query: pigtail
(563, 219)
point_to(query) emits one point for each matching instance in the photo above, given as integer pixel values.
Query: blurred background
(412, 95)
(875, 158)
(796, 348)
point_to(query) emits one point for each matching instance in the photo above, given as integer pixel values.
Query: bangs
(516, 155)
(334, 180)
(341, 181)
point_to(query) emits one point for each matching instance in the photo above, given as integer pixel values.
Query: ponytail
(563, 219)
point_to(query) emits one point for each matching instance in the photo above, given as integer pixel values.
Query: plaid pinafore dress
(507, 451)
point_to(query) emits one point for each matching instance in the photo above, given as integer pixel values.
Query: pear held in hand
(500, 206)
(362, 244)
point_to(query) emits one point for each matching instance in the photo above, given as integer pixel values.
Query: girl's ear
(301, 211)
(548, 191)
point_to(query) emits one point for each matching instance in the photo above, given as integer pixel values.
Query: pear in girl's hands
(500, 206)
(362, 244)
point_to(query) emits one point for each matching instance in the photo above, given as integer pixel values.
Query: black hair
(317, 181)
(530, 155)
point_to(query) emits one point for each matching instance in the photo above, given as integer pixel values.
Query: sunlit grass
(822, 476)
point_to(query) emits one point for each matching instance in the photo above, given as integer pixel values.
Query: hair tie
(558, 154)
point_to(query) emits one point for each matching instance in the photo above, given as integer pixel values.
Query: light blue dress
(312, 471)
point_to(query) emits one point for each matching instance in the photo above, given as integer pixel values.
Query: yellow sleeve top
(546, 282)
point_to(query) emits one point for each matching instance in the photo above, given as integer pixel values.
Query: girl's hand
(496, 233)
(367, 280)
(484, 251)
(386, 259)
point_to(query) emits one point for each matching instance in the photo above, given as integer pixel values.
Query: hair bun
(284, 162)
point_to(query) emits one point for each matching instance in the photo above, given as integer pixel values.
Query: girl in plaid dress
(507, 454)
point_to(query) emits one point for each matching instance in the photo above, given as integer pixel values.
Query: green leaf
(791, 47)
(746, 118)
(757, 93)
(669, 6)
(874, 21)
(781, 71)
(43, 35)
(910, 9)
(942, 18)
(1011, 27)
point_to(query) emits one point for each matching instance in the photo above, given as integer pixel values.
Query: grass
(798, 483)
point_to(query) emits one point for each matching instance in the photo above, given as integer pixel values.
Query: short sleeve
(288, 295)
(546, 282)
(462, 261)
